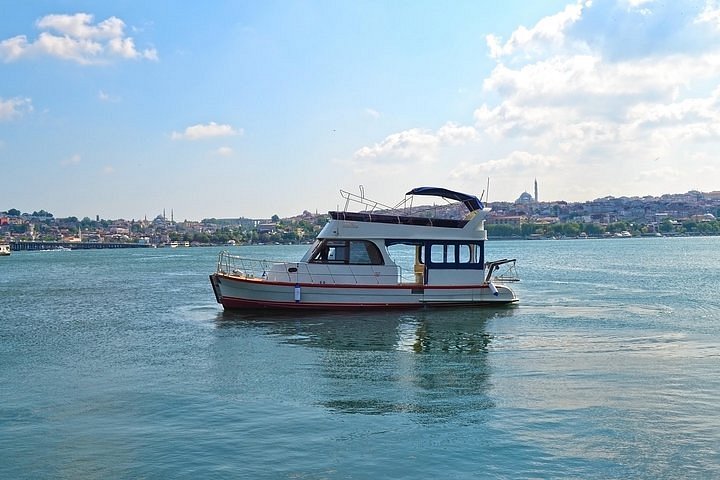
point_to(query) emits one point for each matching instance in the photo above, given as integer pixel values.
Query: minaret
(536, 193)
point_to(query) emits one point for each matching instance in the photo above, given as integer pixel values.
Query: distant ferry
(4, 249)
(176, 244)
(350, 264)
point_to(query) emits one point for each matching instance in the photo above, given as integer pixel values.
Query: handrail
(509, 276)
(361, 200)
(248, 268)
(405, 206)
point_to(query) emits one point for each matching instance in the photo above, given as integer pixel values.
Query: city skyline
(523, 201)
(272, 108)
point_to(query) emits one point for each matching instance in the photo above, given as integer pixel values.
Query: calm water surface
(119, 364)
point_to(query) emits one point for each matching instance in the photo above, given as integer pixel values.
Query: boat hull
(242, 293)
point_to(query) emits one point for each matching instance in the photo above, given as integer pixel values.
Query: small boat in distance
(4, 249)
(436, 262)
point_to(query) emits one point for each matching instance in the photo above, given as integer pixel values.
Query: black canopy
(471, 202)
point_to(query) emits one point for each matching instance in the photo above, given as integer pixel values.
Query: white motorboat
(377, 257)
(4, 249)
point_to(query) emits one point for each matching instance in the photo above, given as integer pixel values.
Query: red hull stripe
(229, 302)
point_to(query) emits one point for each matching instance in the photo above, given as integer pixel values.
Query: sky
(242, 108)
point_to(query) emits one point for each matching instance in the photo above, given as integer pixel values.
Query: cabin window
(456, 255)
(469, 253)
(437, 253)
(450, 253)
(353, 252)
(364, 253)
(337, 252)
(443, 253)
(465, 254)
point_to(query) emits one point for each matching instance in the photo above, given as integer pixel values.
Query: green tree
(618, 227)
(528, 229)
(690, 226)
(666, 226)
(571, 229)
(289, 236)
(592, 229)
(201, 238)
(502, 230)
(42, 213)
(86, 222)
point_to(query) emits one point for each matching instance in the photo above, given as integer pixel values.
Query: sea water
(120, 364)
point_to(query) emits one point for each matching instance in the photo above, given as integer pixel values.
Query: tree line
(574, 229)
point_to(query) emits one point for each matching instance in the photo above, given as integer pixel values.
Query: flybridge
(470, 201)
(398, 214)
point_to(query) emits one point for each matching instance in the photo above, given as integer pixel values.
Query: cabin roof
(397, 219)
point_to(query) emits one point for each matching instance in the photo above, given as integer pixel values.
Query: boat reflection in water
(431, 364)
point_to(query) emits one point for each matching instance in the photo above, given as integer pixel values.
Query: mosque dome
(525, 197)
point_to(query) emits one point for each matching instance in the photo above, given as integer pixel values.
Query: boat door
(453, 263)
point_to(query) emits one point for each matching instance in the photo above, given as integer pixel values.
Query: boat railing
(249, 268)
(367, 204)
(229, 264)
(501, 271)
(407, 275)
(404, 207)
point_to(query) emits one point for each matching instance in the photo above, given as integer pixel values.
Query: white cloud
(548, 32)
(76, 38)
(108, 170)
(372, 113)
(685, 120)
(577, 79)
(659, 173)
(224, 151)
(638, 3)
(210, 130)
(453, 134)
(416, 144)
(518, 162)
(710, 14)
(14, 107)
(587, 105)
(106, 97)
(80, 26)
(578, 103)
(73, 160)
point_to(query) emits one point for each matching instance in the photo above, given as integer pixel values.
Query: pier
(18, 246)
